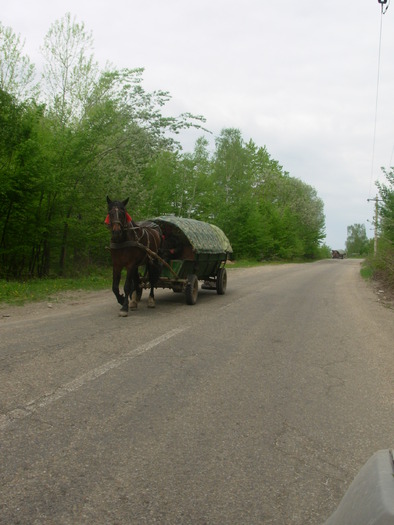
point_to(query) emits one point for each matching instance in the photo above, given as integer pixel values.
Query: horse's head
(117, 215)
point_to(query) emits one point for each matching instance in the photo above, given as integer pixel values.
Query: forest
(77, 133)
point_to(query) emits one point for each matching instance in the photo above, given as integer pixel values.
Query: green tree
(21, 179)
(107, 130)
(97, 135)
(383, 262)
(197, 181)
(232, 187)
(285, 216)
(101, 133)
(386, 211)
(70, 72)
(357, 241)
(17, 73)
(230, 171)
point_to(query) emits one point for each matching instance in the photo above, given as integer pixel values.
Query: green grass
(18, 293)
(21, 292)
(366, 272)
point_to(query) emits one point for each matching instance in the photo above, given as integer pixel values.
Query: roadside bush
(382, 265)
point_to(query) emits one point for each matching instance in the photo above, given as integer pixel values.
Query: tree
(357, 241)
(97, 135)
(106, 130)
(70, 71)
(197, 181)
(230, 167)
(383, 262)
(17, 73)
(284, 216)
(100, 133)
(22, 168)
(386, 211)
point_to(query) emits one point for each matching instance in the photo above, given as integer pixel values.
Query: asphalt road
(255, 407)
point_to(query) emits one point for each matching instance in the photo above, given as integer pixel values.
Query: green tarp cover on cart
(202, 236)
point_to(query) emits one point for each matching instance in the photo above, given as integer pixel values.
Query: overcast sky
(297, 76)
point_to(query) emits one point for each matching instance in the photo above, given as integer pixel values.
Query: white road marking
(76, 384)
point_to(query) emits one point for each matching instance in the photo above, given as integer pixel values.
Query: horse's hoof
(122, 313)
(133, 305)
(151, 303)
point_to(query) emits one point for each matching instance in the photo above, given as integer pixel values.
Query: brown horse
(132, 244)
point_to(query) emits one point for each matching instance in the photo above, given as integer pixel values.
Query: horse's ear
(109, 201)
(126, 201)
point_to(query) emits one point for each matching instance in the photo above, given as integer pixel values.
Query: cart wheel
(221, 281)
(191, 290)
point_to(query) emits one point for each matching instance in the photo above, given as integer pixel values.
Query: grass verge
(366, 272)
(18, 293)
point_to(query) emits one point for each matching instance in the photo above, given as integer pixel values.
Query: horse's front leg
(116, 274)
(127, 290)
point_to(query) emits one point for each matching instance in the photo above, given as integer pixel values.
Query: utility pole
(382, 4)
(375, 240)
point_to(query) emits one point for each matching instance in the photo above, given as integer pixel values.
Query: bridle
(119, 225)
(117, 222)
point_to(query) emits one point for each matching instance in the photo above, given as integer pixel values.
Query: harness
(137, 243)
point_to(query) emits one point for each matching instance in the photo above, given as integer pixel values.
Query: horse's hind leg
(133, 303)
(136, 291)
(151, 299)
(154, 274)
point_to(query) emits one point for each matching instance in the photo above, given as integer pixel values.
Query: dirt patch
(385, 293)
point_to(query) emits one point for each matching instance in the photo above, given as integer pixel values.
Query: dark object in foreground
(370, 498)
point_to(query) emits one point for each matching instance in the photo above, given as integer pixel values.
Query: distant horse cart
(165, 252)
(338, 254)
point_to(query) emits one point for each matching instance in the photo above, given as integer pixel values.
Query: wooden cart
(192, 251)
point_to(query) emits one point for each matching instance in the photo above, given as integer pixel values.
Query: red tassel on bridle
(128, 219)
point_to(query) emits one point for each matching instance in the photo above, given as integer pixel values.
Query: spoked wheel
(221, 283)
(191, 290)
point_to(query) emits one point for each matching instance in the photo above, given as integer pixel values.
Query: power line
(384, 4)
